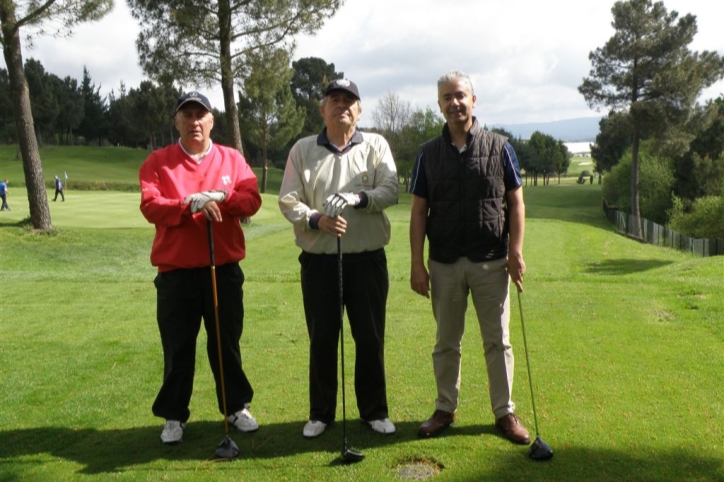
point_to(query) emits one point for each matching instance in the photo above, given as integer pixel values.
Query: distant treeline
(71, 112)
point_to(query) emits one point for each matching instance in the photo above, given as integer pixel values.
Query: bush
(656, 181)
(703, 219)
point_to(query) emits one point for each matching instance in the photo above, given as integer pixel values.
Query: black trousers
(366, 285)
(185, 296)
(59, 191)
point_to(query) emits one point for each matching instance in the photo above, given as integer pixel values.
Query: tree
(422, 125)
(656, 187)
(391, 114)
(14, 16)
(311, 76)
(150, 111)
(8, 132)
(561, 159)
(71, 108)
(94, 125)
(391, 118)
(42, 98)
(208, 41)
(700, 171)
(543, 148)
(269, 115)
(614, 137)
(523, 151)
(123, 129)
(647, 70)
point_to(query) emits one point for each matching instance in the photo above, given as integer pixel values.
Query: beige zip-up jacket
(313, 173)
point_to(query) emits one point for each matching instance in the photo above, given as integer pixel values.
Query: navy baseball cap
(193, 96)
(342, 84)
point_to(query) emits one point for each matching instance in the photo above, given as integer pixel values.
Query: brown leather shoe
(436, 424)
(512, 429)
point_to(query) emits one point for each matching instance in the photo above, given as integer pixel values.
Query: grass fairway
(626, 344)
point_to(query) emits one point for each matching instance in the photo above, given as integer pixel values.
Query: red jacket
(167, 177)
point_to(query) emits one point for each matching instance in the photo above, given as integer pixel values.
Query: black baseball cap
(342, 84)
(193, 96)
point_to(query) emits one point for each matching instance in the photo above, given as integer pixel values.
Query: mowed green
(626, 345)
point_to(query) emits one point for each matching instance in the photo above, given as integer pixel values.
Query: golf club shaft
(216, 319)
(527, 362)
(340, 276)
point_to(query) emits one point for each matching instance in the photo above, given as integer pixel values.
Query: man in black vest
(468, 199)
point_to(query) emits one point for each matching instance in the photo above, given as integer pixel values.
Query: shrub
(656, 181)
(703, 220)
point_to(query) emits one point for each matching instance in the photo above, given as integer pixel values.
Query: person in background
(183, 187)
(468, 201)
(58, 189)
(4, 195)
(337, 185)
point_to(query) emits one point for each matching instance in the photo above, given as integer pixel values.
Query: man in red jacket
(183, 186)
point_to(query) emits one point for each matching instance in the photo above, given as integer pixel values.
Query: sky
(526, 58)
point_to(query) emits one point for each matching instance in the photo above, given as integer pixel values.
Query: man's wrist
(314, 220)
(363, 200)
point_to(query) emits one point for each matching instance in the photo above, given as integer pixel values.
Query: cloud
(526, 58)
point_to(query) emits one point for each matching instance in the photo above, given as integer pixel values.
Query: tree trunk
(227, 75)
(635, 208)
(32, 168)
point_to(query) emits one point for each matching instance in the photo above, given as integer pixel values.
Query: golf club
(539, 450)
(348, 455)
(227, 449)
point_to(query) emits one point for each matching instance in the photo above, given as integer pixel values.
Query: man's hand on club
(200, 202)
(336, 203)
(334, 226)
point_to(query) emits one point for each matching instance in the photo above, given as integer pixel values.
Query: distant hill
(581, 129)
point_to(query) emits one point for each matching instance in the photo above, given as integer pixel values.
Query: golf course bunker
(419, 469)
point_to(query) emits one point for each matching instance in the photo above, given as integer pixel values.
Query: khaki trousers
(488, 283)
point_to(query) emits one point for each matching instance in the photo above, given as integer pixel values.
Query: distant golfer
(58, 189)
(4, 195)
(468, 200)
(339, 183)
(183, 186)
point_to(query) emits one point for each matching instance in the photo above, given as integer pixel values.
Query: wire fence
(649, 232)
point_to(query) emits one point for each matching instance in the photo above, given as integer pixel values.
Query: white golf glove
(199, 199)
(336, 203)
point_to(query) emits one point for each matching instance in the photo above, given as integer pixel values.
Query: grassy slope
(625, 344)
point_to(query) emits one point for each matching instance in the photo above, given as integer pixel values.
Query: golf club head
(227, 449)
(350, 456)
(539, 450)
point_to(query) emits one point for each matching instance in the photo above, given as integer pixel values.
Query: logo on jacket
(226, 180)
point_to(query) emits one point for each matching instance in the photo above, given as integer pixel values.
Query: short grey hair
(455, 75)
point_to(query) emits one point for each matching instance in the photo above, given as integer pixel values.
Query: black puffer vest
(466, 197)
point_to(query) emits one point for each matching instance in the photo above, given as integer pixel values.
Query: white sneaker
(314, 428)
(243, 421)
(173, 432)
(382, 426)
